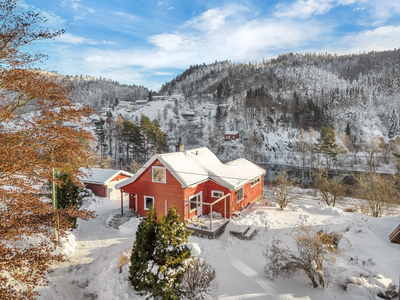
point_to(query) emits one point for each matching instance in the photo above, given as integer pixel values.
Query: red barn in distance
(231, 135)
(192, 180)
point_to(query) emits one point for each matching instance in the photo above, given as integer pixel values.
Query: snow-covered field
(367, 256)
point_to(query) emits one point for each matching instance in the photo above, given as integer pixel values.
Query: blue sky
(149, 42)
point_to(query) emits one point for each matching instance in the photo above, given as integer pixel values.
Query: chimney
(179, 147)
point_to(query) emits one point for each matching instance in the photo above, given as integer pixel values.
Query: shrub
(282, 191)
(390, 293)
(198, 279)
(315, 252)
(123, 259)
(329, 190)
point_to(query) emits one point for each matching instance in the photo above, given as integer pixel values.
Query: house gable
(165, 194)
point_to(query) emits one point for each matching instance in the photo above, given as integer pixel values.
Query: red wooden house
(192, 180)
(231, 135)
(102, 182)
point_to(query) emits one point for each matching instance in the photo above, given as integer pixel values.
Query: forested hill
(310, 90)
(268, 103)
(101, 92)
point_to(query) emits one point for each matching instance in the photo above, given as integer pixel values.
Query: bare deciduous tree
(330, 190)
(378, 190)
(282, 191)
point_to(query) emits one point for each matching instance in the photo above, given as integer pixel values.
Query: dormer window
(159, 174)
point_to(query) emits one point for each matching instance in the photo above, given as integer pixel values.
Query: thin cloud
(304, 9)
(125, 15)
(75, 4)
(73, 39)
(163, 73)
(214, 19)
(248, 41)
(379, 39)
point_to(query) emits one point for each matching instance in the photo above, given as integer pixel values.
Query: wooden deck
(203, 230)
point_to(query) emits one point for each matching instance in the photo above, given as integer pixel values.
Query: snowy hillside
(366, 265)
(270, 102)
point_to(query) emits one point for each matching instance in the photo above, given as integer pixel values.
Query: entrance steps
(243, 232)
(117, 220)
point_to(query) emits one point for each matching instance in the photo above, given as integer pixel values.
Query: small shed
(188, 114)
(141, 102)
(231, 135)
(102, 181)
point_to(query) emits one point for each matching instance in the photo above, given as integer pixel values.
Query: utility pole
(55, 204)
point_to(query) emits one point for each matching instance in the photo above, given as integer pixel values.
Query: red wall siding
(250, 194)
(120, 176)
(98, 190)
(171, 191)
(207, 187)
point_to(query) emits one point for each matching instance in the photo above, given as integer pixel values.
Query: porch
(206, 226)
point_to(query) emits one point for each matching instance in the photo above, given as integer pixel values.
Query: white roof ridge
(197, 165)
(90, 178)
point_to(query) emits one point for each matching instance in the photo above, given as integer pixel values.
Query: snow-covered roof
(101, 176)
(232, 132)
(188, 113)
(197, 165)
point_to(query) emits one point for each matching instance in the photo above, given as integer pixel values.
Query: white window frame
(159, 168)
(259, 180)
(237, 193)
(215, 191)
(197, 204)
(144, 199)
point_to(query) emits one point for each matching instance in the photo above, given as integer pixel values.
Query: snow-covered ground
(367, 256)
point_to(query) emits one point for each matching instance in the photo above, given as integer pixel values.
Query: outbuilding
(102, 181)
(231, 135)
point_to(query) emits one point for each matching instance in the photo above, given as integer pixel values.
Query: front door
(132, 202)
(199, 204)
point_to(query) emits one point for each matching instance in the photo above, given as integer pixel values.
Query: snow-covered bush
(314, 253)
(198, 279)
(159, 257)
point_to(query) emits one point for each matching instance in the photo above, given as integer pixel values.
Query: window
(159, 174)
(148, 202)
(239, 195)
(217, 194)
(193, 205)
(255, 181)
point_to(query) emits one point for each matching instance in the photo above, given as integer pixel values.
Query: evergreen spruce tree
(347, 130)
(159, 260)
(394, 127)
(69, 194)
(141, 278)
(326, 144)
(171, 258)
